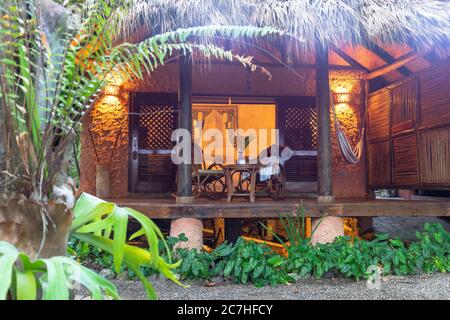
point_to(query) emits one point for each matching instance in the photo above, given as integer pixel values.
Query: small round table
(230, 170)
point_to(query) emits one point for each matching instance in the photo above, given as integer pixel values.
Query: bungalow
(358, 90)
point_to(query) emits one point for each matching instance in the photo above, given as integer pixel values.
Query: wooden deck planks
(167, 208)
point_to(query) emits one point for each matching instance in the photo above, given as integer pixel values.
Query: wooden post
(184, 181)
(324, 151)
(191, 227)
(328, 228)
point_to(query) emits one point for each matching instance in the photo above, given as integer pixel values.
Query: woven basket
(103, 180)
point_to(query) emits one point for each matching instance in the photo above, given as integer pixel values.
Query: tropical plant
(247, 261)
(294, 227)
(51, 279)
(242, 262)
(101, 225)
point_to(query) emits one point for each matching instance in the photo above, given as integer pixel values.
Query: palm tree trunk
(22, 224)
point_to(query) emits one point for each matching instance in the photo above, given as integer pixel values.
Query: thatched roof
(417, 23)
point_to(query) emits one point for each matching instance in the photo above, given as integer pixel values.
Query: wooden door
(153, 118)
(297, 122)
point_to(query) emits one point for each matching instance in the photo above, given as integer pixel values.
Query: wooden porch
(267, 208)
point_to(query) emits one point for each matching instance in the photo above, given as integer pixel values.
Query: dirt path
(392, 287)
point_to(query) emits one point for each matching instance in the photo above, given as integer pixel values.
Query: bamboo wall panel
(435, 97)
(379, 163)
(378, 113)
(404, 102)
(405, 168)
(434, 156)
(412, 118)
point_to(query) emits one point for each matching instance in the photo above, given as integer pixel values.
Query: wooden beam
(349, 59)
(383, 54)
(324, 170)
(398, 63)
(265, 208)
(184, 181)
(377, 84)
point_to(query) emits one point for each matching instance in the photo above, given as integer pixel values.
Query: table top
(237, 166)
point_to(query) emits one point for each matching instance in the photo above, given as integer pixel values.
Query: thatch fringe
(418, 23)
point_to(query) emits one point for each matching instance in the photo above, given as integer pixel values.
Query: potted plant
(241, 143)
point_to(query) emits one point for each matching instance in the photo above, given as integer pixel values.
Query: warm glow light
(342, 108)
(111, 101)
(112, 90)
(341, 97)
(342, 85)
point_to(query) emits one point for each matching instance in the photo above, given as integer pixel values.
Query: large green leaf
(26, 286)
(134, 258)
(8, 256)
(55, 276)
(88, 208)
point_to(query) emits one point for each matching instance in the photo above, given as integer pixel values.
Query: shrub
(250, 262)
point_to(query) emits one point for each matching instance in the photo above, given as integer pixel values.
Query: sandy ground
(422, 287)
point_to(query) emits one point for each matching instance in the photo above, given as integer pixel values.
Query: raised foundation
(328, 229)
(193, 230)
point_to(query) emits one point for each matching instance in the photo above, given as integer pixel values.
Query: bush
(250, 262)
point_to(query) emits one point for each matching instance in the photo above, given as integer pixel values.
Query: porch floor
(267, 208)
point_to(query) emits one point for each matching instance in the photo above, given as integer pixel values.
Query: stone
(123, 276)
(107, 274)
(328, 230)
(193, 230)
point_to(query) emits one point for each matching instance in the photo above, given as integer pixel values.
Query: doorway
(153, 118)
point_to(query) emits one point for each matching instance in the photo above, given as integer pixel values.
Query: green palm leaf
(22, 277)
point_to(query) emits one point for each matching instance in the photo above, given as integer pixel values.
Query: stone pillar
(192, 228)
(328, 230)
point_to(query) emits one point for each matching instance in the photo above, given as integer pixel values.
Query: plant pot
(21, 224)
(103, 181)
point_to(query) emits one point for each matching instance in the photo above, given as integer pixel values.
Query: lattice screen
(155, 167)
(155, 127)
(301, 128)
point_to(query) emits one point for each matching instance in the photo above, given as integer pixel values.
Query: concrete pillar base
(328, 230)
(192, 228)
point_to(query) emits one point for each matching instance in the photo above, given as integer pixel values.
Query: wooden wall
(408, 135)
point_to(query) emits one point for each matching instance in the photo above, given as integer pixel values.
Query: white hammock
(351, 155)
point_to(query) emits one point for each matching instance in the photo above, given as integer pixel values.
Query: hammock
(351, 155)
